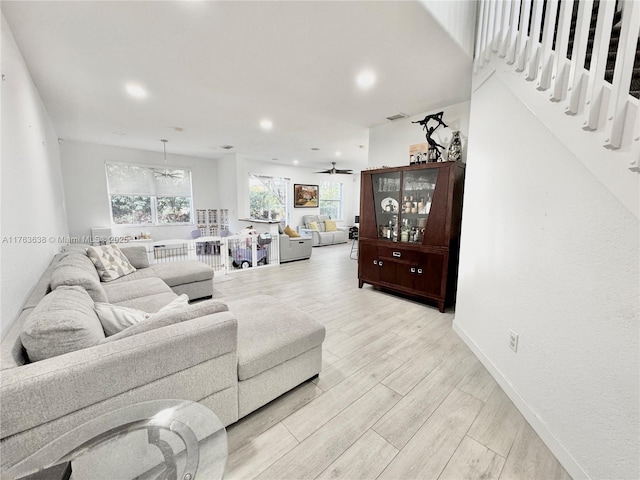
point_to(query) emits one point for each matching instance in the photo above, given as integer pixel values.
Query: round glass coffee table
(160, 439)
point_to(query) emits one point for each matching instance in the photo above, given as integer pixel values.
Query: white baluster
(533, 46)
(598, 66)
(504, 31)
(559, 71)
(576, 72)
(523, 35)
(490, 29)
(616, 112)
(545, 65)
(482, 34)
(513, 31)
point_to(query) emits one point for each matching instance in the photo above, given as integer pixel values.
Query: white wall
(32, 201)
(550, 253)
(389, 142)
(86, 186)
(458, 18)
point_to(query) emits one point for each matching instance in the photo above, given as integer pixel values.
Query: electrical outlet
(513, 340)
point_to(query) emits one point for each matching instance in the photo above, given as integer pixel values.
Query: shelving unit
(211, 222)
(410, 229)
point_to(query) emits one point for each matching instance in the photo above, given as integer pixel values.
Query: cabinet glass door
(415, 205)
(386, 197)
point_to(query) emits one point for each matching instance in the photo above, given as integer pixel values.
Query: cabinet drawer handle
(375, 262)
(413, 269)
(397, 254)
(380, 263)
(419, 270)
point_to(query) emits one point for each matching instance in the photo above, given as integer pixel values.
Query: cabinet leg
(360, 283)
(441, 306)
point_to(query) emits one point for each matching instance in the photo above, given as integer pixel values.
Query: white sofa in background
(321, 236)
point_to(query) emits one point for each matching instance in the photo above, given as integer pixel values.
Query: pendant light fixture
(166, 173)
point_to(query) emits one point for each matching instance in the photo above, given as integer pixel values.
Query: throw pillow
(64, 321)
(162, 319)
(330, 226)
(110, 262)
(115, 318)
(291, 232)
(137, 256)
(313, 226)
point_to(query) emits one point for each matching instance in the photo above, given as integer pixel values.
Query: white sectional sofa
(59, 369)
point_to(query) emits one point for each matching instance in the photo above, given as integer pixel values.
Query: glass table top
(160, 439)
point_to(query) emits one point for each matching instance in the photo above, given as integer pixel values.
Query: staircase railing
(585, 53)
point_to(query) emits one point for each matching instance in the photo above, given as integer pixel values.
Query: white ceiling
(215, 69)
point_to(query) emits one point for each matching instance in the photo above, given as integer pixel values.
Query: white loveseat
(321, 236)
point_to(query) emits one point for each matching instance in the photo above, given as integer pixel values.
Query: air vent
(397, 116)
(226, 147)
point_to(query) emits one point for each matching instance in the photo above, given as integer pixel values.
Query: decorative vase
(455, 148)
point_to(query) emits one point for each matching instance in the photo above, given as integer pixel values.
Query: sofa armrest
(343, 229)
(43, 391)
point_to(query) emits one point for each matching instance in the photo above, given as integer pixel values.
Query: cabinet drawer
(400, 254)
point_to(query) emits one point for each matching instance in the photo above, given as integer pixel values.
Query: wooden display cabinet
(409, 237)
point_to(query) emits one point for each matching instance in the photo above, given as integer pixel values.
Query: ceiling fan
(333, 170)
(166, 173)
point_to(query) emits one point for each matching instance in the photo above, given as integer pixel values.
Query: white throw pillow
(115, 318)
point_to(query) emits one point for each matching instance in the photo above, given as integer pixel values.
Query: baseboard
(538, 424)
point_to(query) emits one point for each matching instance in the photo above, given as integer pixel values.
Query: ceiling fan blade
(324, 171)
(348, 172)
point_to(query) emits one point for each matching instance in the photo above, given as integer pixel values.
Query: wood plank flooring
(400, 395)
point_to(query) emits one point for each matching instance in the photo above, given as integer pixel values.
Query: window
(268, 197)
(141, 195)
(331, 199)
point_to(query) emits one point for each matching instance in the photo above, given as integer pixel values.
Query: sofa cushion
(291, 232)
(110, 262)
(330, 226)
(169, 317)
(69, 271)
(270, 333)
(179, 273)
(313, 226)
(150, 303)
(63, 321)
(137, 255)
(118, 292)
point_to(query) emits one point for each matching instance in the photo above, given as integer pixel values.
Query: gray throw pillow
(137, 255)
(64, 321)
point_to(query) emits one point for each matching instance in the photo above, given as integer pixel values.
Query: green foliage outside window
(174, 209)
(131, 209)
(331, 199)
(267, 197)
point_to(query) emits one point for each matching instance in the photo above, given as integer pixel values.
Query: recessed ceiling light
(366, 79)
(296, 162)
(338, 154)
(136, 91)
(266, 124)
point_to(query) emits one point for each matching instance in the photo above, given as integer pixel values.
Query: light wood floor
(400, 396)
